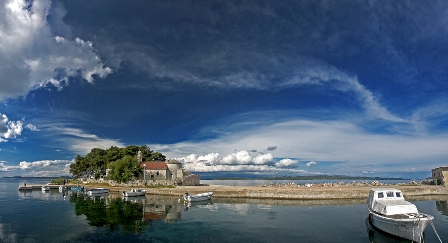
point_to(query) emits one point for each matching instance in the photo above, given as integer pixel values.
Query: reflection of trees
(112, 213)
(442, 206)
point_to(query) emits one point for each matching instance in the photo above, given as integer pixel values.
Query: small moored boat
(196, 198)
(45, 188)
(134, 193)
(391, 213)
(97, 191)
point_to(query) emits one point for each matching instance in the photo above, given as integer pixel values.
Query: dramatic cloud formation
(241, 160)
(32, 56)
(313, 87)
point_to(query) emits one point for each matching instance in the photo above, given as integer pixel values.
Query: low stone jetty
(282, 193)
(37, 187)
(301, 193)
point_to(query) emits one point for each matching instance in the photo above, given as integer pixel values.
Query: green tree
(156, 156)
(130, 150)
(112, 154)
(79, 168)
(98, 160)
(124, 169)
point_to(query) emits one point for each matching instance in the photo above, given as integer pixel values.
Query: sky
(241, 88)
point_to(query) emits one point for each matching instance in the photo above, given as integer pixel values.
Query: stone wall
(441, 175)
(191, 180)
(140, 183)
(444, 178)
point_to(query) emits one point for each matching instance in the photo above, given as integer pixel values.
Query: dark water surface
(37, 216)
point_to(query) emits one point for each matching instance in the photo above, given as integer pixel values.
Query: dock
(37, 187)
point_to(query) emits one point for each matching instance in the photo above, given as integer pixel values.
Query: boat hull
(134, 194)
(198, 197)
(410, 228)
(98, 191)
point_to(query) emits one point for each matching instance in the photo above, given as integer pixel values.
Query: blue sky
(240, 87)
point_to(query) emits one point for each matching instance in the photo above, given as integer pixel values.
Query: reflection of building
(440, 175)
(162, 208)
(442, 206)
(170, 170)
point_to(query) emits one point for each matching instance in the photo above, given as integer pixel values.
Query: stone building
(440, 175)
(170, 170)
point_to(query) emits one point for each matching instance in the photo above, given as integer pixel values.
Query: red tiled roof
(154, 165)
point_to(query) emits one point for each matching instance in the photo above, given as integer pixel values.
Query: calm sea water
(37, 216)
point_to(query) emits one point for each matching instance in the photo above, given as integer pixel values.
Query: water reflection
(113, 213)
(442, 206)
(51, 195)
(130, 214)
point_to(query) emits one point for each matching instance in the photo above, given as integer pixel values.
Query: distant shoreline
(317, 177)
(336, 177)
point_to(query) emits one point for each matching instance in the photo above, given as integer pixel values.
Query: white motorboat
(391, 213)
(45, 188)
(97, 191)
(196, 198)
(134, 193)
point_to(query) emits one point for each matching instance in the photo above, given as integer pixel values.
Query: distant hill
(39, 177)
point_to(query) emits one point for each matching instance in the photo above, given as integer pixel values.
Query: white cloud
(338, 141)
(203, 167)
(287, 163)
(9, 129)
(242, 158)
(190, 158)
(78, 141)
(311, 163)
(12, 129)
(239, 161)
(212, 158)
(31, 127)
(318, 73)
(39, 168)
(262, 159)
(33, 57)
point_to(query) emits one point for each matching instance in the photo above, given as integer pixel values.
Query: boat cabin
(389, 201)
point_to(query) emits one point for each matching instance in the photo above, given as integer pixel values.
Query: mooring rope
(434, 227)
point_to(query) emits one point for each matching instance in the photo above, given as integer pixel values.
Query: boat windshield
(390, 194)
